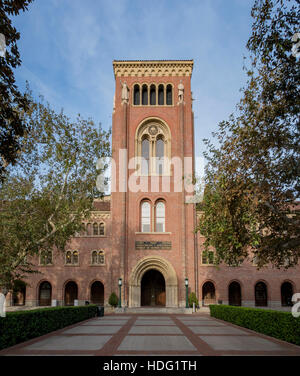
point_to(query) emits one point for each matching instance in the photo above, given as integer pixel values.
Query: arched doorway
(286, 294)
(161, 265)
(71, 293)
(45, 293)
(97, 293)
(261, 295)
(153, 289)
(208, 293)
(19, 293)
(234, 293)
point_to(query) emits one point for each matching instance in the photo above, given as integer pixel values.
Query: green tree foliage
(12, 102)
(252, 177)
(113, 299)
(50, 190)
(193, 299)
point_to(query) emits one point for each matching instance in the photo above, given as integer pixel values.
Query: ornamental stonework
(155, 68)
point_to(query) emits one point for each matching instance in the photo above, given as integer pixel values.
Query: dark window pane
(145, 95)
(169, 95)
(136, 94)
(145, 156)
(161, 95)
(153, 95)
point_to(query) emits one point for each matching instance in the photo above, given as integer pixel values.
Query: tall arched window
(160, 145)
(153, 148)
(160, 217)
(161, 95)
(145, 95)
(101, 229)
(136, 99)
(261, 295)
(152, 95)
(95, 229)
(286, 294)
(68, 257)
(145, 216)
(169, 95)
(45, 292)
(145, 156)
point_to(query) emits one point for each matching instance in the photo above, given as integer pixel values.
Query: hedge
(21, 326)
(277, 324)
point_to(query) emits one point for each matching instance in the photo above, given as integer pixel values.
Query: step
(142, 310)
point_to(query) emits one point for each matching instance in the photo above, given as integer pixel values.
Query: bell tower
(153, 243)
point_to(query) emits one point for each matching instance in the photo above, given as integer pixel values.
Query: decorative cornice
(152, 68)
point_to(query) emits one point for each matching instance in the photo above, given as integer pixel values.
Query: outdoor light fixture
(186, 281)
(120, 285)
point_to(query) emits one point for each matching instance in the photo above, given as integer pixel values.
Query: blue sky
(67, 48)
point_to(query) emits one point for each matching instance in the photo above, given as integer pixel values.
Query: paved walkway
(153, 335)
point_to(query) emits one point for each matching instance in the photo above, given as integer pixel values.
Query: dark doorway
(261, 295)
(19, 293)
(97, 293)
(234, 292)
(45, 294)
(208, 293)
(153, 289)
(286, 294)
(71, 293)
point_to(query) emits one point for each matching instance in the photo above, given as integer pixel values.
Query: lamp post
(120, 292)
(186, 281)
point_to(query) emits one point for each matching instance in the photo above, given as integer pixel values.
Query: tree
(113, 299)
(253, 176)
(50, 190)
(12, 102)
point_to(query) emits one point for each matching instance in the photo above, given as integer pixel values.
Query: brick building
(143, 232)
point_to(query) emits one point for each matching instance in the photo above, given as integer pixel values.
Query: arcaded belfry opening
(160, 268)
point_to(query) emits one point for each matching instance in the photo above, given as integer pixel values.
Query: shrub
(277, 324)
(193, 299)
(113, 299)
(21, 326)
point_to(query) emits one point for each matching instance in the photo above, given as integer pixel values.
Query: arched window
(83, 230)
(160, 146)
(261, 295)
(95, 229)
(46, 257)
(45, 293)
(19, 293)
(145, 95)
(152, 95)
(68, 257)
(145, 216)
(97, 293)
(145, 156)
(208, 257)
(136, 94)
(160, 217)
(75, 257)
(94, 257)
(169, 95)
(89, 229)
(101, 258)
(286, 294)
(101, 229)
(153, 148)
(161, 95)
(234, 294)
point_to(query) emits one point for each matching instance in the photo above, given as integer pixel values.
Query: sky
(67, 48)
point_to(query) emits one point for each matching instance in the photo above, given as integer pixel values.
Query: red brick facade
(121, 215)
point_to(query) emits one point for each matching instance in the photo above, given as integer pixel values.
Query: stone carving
(124, 95)
(153, 130)
(180, 92)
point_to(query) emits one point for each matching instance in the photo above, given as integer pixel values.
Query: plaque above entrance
(153, 245)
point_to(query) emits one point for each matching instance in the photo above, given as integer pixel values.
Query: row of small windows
(152, 95)
(72, 257)
(93, 229)
(153, 220)
(235, 294)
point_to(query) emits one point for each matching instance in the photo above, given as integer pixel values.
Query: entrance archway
(261, 294)
(71, 293)
(153, 289)
(235, 295)
(45, 293)
(286, 294)
(19, 293)
(154, 263)
(97, 293)
(208, 293)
